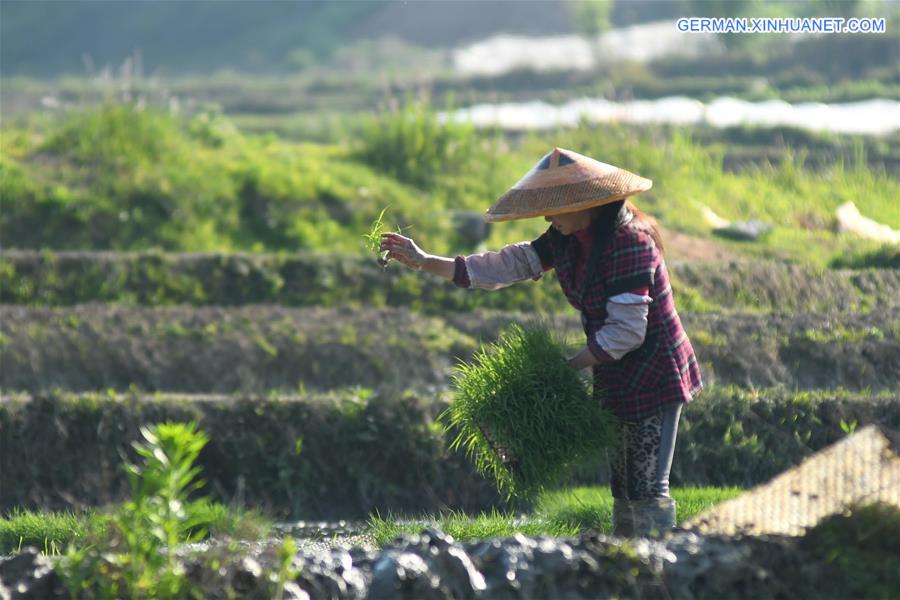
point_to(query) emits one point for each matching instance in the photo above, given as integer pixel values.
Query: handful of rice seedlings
(523, 413)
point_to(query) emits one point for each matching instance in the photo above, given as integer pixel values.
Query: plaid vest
(664, 369)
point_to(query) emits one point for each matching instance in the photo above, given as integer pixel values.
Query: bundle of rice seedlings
(523, 414)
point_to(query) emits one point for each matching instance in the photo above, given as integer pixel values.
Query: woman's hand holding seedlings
(404, 250)
(586, 358)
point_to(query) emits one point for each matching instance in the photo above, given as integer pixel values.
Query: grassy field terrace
(262, 348)
(349, 453)
(48, 278)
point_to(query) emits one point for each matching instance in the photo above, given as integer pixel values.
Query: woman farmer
(609, 263)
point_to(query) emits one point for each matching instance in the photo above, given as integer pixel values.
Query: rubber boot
(653, 516)
(623, 518)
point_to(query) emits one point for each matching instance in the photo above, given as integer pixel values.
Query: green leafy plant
(286, 571)
(523, 413)
(848, 427)
(148, 528)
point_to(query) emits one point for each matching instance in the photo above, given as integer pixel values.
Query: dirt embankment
(346, 454)
(315, 279)
(261, 348)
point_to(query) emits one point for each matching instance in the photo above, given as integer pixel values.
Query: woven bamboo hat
(562, 182)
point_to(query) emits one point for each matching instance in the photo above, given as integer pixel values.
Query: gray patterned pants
(639, 467)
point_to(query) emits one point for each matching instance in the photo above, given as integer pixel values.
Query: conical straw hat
(562, 182)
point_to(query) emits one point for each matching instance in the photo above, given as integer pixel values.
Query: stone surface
(29, 576)
(747, 231)
(852, 221)
(682, 564)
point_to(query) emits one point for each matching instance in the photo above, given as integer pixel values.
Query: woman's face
(569, 223)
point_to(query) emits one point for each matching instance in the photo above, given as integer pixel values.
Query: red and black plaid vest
(664, 369)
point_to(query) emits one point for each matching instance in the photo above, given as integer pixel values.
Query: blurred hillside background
(288, 125)
(185, 187)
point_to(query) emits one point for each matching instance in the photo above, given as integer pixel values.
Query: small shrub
(139, 560)
(286, 571)
(116, 135)
(411, 144)
(523, 413)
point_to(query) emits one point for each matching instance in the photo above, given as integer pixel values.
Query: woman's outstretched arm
(487, 270)
(404, 250)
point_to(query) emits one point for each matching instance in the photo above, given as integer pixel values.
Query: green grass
(467, 528)
(51, 532)
(409, 143)
(842, 335)
(789, 196)
(556, 513)
(119, 178)
(591, 507)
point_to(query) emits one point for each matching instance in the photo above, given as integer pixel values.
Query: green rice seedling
(523, 414)
(383, 530)
(373, 238)
(22, 528)
(496, 524)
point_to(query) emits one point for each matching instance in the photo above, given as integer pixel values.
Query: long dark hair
(608, 217)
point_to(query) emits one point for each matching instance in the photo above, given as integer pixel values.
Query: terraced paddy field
(50, 278)
(264, 348)
(346, 454)
(317, 378)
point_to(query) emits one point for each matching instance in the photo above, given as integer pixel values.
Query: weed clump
(523, 413)
(141, 560)
(411, 143)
